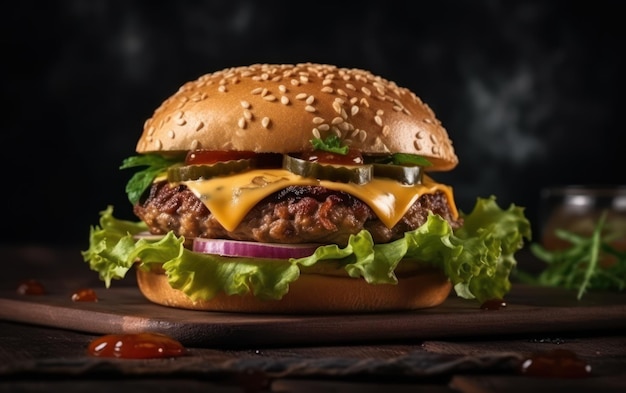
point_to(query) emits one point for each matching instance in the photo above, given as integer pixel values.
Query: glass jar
(577, 209)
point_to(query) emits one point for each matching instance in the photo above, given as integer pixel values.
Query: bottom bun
(312, 293)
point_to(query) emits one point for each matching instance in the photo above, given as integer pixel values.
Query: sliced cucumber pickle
(358, 174)
(404, 174)
(207, 171)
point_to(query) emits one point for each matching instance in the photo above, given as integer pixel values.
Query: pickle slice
(404, 174)
(207, 171)
(358, 174)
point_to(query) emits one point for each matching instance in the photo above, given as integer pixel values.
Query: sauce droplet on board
(493, 304)
(85, 295)
(136, 346)
(31, 287)
(557, 363)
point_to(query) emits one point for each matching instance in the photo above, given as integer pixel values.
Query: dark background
(531, 92)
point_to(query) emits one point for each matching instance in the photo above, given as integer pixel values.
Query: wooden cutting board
(529, 311)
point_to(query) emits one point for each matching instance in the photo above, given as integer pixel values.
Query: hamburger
(301, 188)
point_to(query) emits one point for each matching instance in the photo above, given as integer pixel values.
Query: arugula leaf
(140, 181)
(580, 265)
(331, 144)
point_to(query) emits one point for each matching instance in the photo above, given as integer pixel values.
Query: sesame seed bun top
(280, 107)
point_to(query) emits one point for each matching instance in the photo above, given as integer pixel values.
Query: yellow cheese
(230, 198)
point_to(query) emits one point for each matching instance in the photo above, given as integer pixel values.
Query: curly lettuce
(478, 258)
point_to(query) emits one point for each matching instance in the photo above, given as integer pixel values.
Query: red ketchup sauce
(85, 295)
(136, 346)
(31, 287)
(557, 363)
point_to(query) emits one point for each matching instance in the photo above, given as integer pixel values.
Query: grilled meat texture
(297, 214)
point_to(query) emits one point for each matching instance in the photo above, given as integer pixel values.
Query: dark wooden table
(454, 348)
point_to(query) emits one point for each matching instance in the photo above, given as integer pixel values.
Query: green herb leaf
(404, 159)
(409, 159)
(140, 181)
(579, 266)
(331, 144)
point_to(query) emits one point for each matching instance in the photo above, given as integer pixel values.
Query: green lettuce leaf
(478, 258)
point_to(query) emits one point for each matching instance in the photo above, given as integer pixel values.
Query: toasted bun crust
(313, 294)
(280, 108)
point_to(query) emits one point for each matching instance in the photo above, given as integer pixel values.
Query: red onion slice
(236, 248)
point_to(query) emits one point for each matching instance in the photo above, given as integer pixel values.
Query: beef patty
(297, 214)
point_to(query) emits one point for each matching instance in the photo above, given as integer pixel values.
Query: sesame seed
(324, 127)
(337, 106)
(199, 126)
(345, 126)
(341, 92)
(247, 114)
(301, 96)
(326, 82)
(318, 120)
(327, 89)
(380, 112)
(316, 133)
(435, 149)
(350, 86)
(428, 121)
(337, 120)
(386, 130)
(378, 120)
(365, 103)
(269, 98)
(171, 134)
(354, 110)
(245, 104)
(242, 123)
(433, 138)
(264, 92)
(295, 82)
(222, 89)
(284, 100)
(366, 91)
(417, 145)
(151, 131)
(310, 100)
(158, 145)
(265, 122)
(309, 108)
(397, 108)
(282, 89)
(258, 90)
(194, 144)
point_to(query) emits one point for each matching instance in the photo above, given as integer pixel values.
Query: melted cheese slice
(230, 198)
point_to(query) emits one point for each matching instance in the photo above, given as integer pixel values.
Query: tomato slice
(352, 157)
(195, 157)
